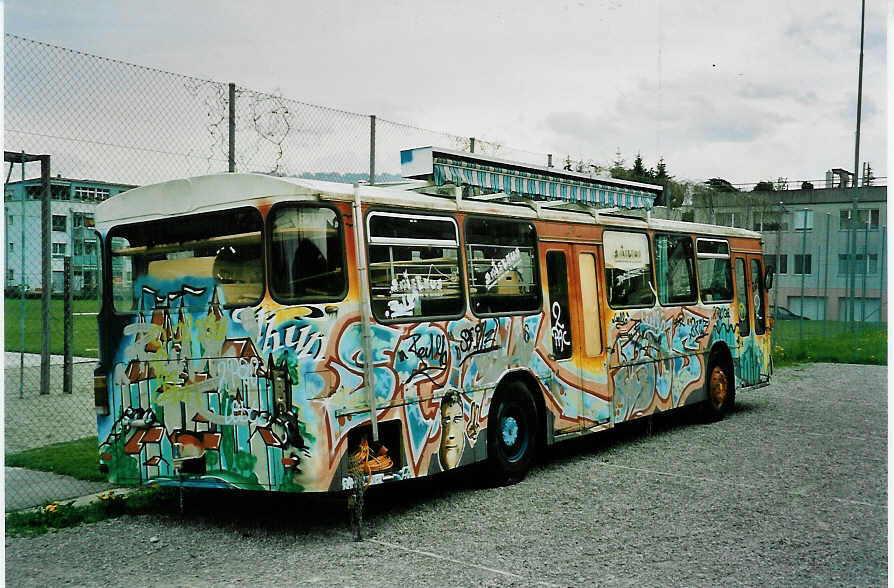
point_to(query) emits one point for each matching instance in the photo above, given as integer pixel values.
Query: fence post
(22, 284)
(803, 275)
(46, 283)
(372, 149)
(67, 327)
(549, 160)
(881, 274)
(865, 273)
(776, 263)
(232, 135)
(826, 281)
(471, 144)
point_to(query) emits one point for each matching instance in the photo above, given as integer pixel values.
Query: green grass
(58, 515)
(832, 342)
(85, 340)
(78, 459)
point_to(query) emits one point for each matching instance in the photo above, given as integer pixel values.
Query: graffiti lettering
(403, 305)
(407, 284)
(559, 332)
(191, 393)
(477, 339)
(501, 267)
(232, 372)
(436, 349)
(303, 340)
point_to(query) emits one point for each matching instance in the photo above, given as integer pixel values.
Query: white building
(72, 201)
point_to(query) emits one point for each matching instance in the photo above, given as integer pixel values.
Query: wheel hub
(509, 430)
(718, 387)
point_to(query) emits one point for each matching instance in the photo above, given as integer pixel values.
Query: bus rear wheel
(719, 387)
(511, 434)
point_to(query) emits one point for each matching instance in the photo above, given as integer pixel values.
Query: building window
(870, 215)
(58, 249)
(33, 192)
(802, 264)
(771, 222)
(779, 262)
(11, 275)
(60, 192)
(803, 220)
(59, 222)
(860, 266)
(12, 247)
(10, 220)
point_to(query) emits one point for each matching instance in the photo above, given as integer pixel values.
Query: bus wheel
(511, 434)
(720, 389)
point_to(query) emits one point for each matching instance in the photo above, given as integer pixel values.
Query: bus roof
(227, 190)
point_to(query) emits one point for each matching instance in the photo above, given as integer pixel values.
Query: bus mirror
(768, 277)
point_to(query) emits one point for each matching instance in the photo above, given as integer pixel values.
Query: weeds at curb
(60, 515)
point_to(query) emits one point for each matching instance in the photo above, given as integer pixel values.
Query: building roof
(58, 180)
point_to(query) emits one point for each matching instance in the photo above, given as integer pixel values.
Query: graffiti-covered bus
(280, 334)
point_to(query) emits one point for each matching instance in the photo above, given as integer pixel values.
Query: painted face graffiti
(452, 432)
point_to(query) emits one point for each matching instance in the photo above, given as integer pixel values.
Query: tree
(806, 186)
(868, 177)
(661, 171)
(764, 186)
(618, 170)
(721, 185)
(639, 170)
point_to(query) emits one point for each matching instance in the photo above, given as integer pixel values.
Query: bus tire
(719, 388)
(511, 433)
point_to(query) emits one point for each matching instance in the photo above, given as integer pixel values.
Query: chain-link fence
(107, 125)
(827, 247)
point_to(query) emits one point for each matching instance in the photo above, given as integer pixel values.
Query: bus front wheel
(511, 434)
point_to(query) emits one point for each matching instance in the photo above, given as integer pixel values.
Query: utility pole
(855, 215)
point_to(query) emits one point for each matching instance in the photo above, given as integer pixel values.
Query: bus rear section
(202, 357)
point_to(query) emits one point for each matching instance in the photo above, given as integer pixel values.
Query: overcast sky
(742, 90)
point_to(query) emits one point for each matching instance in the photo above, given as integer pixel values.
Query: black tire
(511, 434)
(720, 388)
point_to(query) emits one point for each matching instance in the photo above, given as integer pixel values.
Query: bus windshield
(220, 250)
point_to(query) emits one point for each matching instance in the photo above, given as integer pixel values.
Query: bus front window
(189, 258)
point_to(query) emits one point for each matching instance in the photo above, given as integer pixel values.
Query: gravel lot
(791, 489)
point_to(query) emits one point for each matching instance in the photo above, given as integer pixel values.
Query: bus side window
(742, 298)
(674, 270)
(715, 278)
(628, 270)
(757, 288)
(307, 254)
(414, 266)
(503, 274)
(559, 313)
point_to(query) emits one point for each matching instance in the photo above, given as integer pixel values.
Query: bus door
(751, 316)
(595, 392)
(576, 338)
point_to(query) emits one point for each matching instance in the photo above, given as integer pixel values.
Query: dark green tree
(721, 185)
(764, 186)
